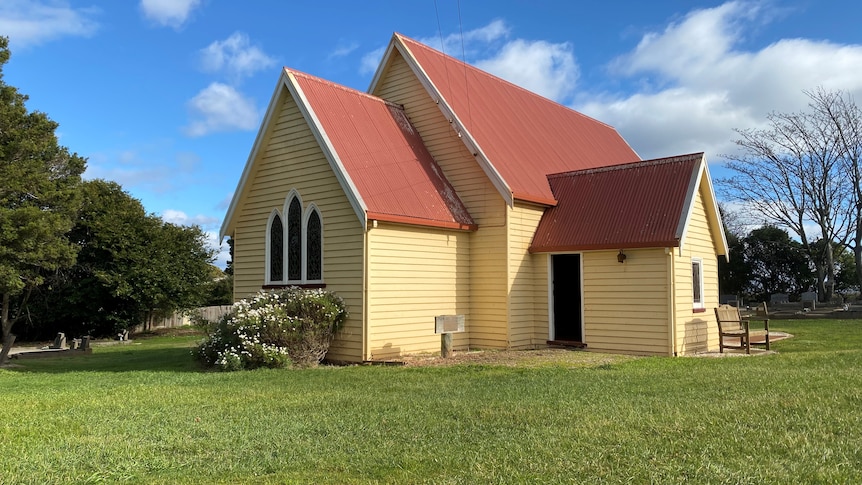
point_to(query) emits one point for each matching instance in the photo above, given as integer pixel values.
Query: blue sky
(166, 96)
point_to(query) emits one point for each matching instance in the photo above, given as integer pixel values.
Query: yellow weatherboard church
(444, 190)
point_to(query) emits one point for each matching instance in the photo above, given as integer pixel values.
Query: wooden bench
(734, 329)
(762, 313)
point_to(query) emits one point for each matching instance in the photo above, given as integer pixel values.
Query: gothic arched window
(276, 248)
(294, 240)
(314, 246)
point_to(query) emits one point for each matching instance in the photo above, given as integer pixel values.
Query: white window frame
(697, 305)
(305, 215)
(312, 207)
(268, 252)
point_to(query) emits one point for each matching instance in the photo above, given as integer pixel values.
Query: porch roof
(641, 204)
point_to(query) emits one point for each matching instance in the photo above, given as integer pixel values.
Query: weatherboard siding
(290, 158)
(696, 331)
(528, 308)
(626, 305)
(415, 274)
(487, 263)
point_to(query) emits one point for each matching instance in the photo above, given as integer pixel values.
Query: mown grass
(148, 414)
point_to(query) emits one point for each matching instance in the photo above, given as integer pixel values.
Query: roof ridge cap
(629, 166)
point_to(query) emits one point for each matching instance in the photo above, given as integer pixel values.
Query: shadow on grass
(156, 358)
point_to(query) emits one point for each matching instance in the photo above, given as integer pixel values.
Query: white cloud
(28, 22)
(542, 67)
(169, 13)
(220, 108)
(474, 41)
(143, 167)
(696, 85)
(236, 56)
(369, 62)
(180, 218)
(455, 45)
(342, 50)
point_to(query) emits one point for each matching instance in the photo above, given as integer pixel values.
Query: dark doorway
(568, 326)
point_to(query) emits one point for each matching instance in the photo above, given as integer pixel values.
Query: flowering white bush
(275, 329)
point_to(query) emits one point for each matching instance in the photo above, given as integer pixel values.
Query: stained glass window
(294, 240)
(276, 250)
(314, 257)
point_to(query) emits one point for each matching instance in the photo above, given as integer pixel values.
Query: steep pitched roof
(374, 151)
(518, 136)
(641, 204)
(383, 155)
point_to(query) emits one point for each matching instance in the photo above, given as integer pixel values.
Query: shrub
(274, 329)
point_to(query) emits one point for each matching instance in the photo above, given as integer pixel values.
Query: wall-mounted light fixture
(621, 257)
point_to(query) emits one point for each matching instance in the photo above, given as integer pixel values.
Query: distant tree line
(802, 174)
(766, 261)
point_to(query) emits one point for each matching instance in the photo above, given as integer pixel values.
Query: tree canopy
(131, 266)
(39, 198)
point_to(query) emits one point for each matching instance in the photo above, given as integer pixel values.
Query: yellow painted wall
(626, 306)
(696, 331)
(528, 280)
(488, 246)
(415, 274)
(291, 158)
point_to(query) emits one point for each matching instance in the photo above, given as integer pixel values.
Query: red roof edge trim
(628, 166)
(534, 200)
(603, 246)
(416, 221)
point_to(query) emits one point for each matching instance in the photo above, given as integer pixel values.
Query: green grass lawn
(145, 413)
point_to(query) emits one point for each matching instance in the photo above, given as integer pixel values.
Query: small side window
(697, 283)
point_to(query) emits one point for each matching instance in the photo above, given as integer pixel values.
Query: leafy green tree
(178, 270)
(220, 288)
(778, 263)
(229, 267)
(130, 268)
(734, 272)
(39, 182)
(846, 279)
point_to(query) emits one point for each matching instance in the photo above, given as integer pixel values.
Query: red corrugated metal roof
(634, 205)
(384, 156)
(524, 136)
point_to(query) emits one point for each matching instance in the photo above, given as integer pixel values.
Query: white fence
(179, 319)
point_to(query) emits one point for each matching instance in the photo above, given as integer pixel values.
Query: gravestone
(85, 342)
(59, 341)
(779, 298)
(809, 300)
(76, 342)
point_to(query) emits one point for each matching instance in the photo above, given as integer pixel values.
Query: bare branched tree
(793, 174)
(846, 117)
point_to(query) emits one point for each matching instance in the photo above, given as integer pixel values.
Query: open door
(567, 325)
